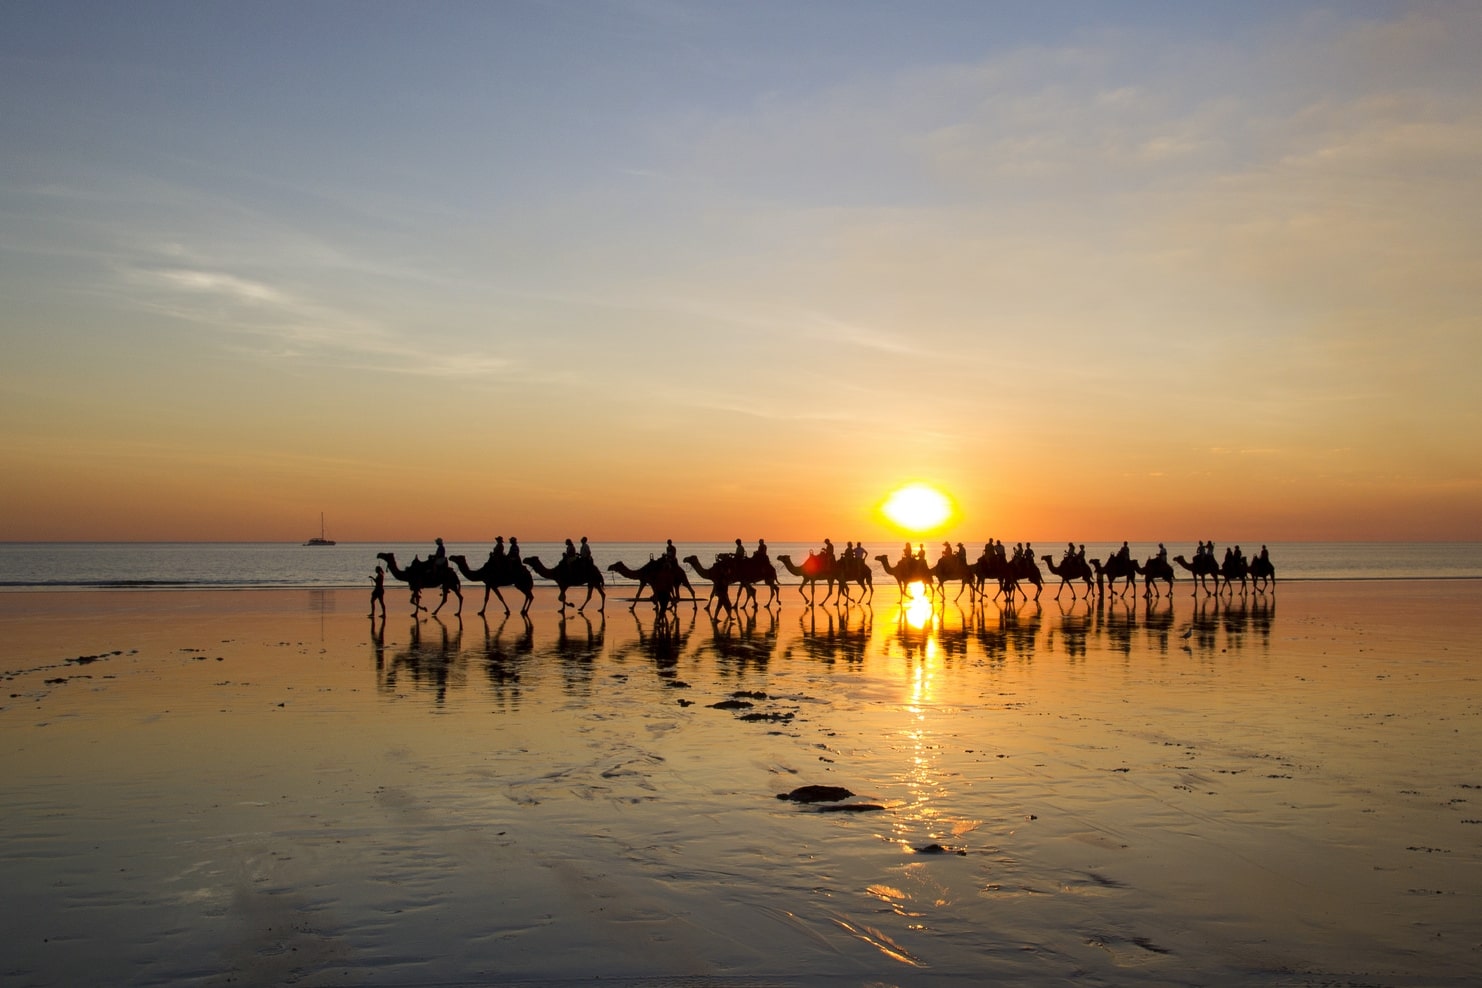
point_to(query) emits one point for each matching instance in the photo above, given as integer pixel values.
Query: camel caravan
(1007, 574)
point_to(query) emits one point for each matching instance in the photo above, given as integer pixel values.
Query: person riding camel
(585, 552)
(439, 556)
(761, 551)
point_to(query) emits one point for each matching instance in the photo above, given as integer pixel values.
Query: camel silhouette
(1263, 574)
(1202, 567)
(573, 572)
(908, 571)
(663, 577)
(1071, 569)
(1114, 569)
(814, 569)
(498, 573)
(745, 572)
(1156, 569)
(425, 575)
(1234, 568)
(951, 568)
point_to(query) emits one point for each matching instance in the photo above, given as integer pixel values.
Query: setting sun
(917, 507)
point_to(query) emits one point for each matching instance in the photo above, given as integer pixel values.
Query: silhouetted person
(569, 553)
(761, 550)
(496, 554)
(585, 552)
(514, 552)
(1069, 551)
(378, 591)
(1162, 556)
(828, 550)
(440, 555)
(1124, 553)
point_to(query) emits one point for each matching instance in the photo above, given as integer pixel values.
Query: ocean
(244, 565)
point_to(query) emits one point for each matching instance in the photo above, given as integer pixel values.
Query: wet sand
(266, 787)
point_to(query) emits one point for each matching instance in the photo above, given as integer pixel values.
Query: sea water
(232, 565)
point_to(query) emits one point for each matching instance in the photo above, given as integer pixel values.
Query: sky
(647, 269)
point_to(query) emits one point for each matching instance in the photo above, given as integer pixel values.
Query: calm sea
(151, 565)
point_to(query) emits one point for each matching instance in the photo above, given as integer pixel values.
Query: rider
(440, 555)
(585, 552)
(761, 550)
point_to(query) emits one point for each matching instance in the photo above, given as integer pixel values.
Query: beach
(265, 786)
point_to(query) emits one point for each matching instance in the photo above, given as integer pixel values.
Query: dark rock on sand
(816, 794)
(732, 705)
(939, 849)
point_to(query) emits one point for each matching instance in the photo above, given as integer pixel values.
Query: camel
(907, 572)
(856, 570)
(425, 575)
(1026, 569)
(1202, 567)
(745, 572)
(952, 568)
(719, 582)
(814, 569)
(1263, 574)
(1071, 569)
(1116, 568)
(573, 572)
(1232, 569)
(496, 573)
(1156, 569)
(663, 576)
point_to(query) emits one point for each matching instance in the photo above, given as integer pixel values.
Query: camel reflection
(1233, 616)
(742, 641)
(834, 636)
(503, 654)
(661, 639)
(436, 658)
(430, 665)
(578, 645)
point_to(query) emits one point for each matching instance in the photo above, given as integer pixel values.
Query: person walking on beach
(378, 592)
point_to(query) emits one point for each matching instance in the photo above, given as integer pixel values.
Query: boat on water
(320, 539)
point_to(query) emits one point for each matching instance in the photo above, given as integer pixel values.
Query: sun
(917, 507)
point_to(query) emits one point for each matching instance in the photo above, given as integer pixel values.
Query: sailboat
(320, 539)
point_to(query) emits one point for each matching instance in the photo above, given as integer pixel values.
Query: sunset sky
(649, 268)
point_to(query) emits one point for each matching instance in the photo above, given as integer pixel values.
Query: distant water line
(125, 566)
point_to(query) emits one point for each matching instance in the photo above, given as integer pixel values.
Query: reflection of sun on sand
(917, 507)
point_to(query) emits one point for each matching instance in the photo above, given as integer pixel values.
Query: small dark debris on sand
(939, 849)
(732, 705)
